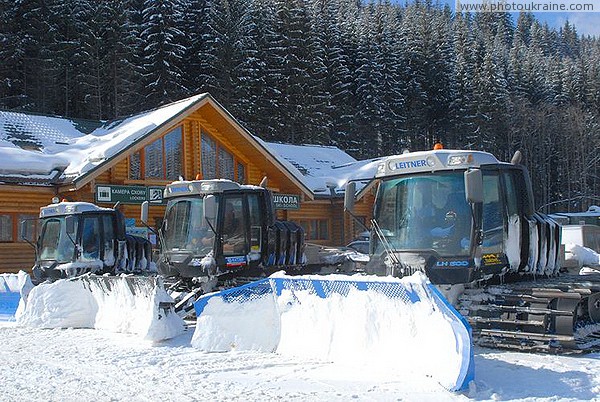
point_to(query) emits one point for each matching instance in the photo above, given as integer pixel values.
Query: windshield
(426, 211)
(55, 244)
(185, 227)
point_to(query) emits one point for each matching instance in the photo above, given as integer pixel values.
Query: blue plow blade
(324, 288)
(9, 301)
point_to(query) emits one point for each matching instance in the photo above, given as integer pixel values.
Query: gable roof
(324, 168)
(49, 150)
(37, 149)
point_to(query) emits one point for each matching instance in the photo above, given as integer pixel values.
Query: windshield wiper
(395, 261)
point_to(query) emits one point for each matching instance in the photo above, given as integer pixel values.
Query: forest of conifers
(370, 78)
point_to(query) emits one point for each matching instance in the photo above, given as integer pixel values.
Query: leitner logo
(452, 263)
(410, 164)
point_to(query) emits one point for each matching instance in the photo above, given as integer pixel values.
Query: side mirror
(144, 213)
(70, 224)
(349, 196)
(210, 207)
(474, 186)
(24, 230)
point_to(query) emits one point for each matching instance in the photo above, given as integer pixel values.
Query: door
(233, 226)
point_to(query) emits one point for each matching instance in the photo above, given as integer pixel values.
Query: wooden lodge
(132, 159)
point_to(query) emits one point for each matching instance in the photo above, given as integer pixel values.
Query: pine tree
(163, 52)
(339, 72)
(11, 53)
(123, 57)
(369, 78)
(36, 34)
(318, 111)
(341, 45)
(463, 108)
(293, 26)
(200, 55)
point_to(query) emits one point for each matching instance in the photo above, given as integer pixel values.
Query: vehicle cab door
(91, 240)
(233, 227)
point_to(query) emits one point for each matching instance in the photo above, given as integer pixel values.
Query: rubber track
(539, 315)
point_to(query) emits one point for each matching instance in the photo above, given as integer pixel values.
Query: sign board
(106, 193)
(155, 194)
(286, 201)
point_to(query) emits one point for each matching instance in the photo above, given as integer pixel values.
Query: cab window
(91, 238)
(233, 225)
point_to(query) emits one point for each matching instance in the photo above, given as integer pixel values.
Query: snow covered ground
(88, 364)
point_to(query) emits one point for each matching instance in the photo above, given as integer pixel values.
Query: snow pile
(13, 286)
(62, 304)
(583, 255)
(366, 329)
(71, 269)
(118, 304)
(19, 283)
(238, 326)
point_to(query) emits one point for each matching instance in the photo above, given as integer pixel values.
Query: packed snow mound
(132, 305)
(368, 328)
(20, 282)
(583, 255)
(13, 287)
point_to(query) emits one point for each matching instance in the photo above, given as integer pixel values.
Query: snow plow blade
(136, 305)
(14, 289)
(402, 325)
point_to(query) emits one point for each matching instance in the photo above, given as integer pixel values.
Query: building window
(153, 160)
(218, 162)
(209, 157)
(241, 173)
(11, 228)
(6, 228)
(161, 160)
(30, 226)
(316, 229)
(226, 165)
(135, 166)
(173, 154)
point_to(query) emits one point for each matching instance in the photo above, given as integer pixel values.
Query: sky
(585, 23)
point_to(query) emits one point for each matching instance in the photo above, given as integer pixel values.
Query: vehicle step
(527, 335)
(515, 309)
(486, 320)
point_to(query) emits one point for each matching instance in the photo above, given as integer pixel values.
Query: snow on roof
(47, 150)
(322, 167)
(25, 140)
(590, 217)
(70, 146)
(109, 140)
(38, 132)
